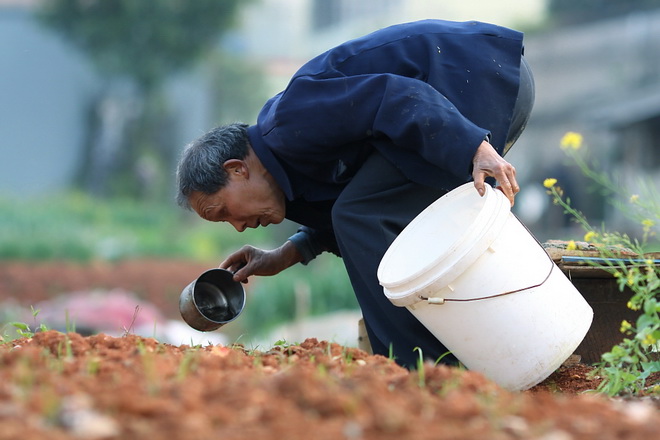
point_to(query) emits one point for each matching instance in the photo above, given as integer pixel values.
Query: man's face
(246, 201)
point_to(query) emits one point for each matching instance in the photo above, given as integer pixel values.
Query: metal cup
(212, 300)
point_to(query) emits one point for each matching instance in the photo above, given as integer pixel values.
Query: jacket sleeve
(312, 242)
(319, 114)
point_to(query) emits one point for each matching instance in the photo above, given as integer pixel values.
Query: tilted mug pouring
(212, 300)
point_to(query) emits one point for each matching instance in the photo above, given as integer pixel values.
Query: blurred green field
(76, 227)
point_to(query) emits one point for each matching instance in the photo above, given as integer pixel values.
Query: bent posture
(364, 137)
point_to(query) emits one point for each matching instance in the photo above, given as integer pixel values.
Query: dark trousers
(371, 211)
(368, 215)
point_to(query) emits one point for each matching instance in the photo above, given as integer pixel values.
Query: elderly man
(364, 137)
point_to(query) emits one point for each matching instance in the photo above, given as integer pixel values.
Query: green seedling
(188, 364)
(282, 343)
(24, 330)
(421, 374)
(348, 356)
(322, 370)
(442, 356)
(149, 367)
(93, 366)
(69, 325)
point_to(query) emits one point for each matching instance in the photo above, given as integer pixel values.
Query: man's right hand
(487, 162)
(249, 261)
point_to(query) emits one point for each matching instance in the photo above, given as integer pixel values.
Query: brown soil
(64, 386)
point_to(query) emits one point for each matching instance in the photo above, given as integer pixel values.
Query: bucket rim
(453, 261)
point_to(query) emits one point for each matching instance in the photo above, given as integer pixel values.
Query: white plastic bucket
(475, 277)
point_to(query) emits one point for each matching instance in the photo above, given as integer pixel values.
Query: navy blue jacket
(424, 94)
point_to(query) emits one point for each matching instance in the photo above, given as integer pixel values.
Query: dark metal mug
(212, 300)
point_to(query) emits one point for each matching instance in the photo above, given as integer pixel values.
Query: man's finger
(480, 188)
(240, 273)
(508, 193)
(479, 182)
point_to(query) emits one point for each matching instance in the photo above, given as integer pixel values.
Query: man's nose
(239, 226)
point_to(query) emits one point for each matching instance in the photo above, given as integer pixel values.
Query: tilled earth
(65, 386)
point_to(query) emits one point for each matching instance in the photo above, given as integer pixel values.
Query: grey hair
(200, 167)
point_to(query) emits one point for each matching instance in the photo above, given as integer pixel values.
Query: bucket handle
(435, 300)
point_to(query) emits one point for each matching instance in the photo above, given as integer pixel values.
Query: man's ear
(236, 167)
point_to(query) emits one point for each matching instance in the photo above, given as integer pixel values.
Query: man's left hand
(487, 162)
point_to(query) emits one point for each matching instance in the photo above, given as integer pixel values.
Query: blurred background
(100, 96)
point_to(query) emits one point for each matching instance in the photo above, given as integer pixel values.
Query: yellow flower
(632, 306)
(625, 326)
(590, 236)
(647, 223)
(634, 198)
(549, 183)
(649, 340)
(571, 246)
(571, 140)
